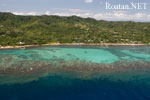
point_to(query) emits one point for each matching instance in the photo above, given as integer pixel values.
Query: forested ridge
(44, 29)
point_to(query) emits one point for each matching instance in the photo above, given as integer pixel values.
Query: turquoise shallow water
(75, 73)
(82, 59)
(89, 54)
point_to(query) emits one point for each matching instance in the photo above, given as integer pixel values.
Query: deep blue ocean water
(74, 89)
(59, 87)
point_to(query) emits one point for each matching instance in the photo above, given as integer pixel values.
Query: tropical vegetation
(30, 30)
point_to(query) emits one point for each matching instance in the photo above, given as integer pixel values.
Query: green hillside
(51, 29)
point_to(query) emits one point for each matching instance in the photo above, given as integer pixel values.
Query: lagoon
(75, 73)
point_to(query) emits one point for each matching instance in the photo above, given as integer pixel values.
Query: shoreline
(72, 44)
